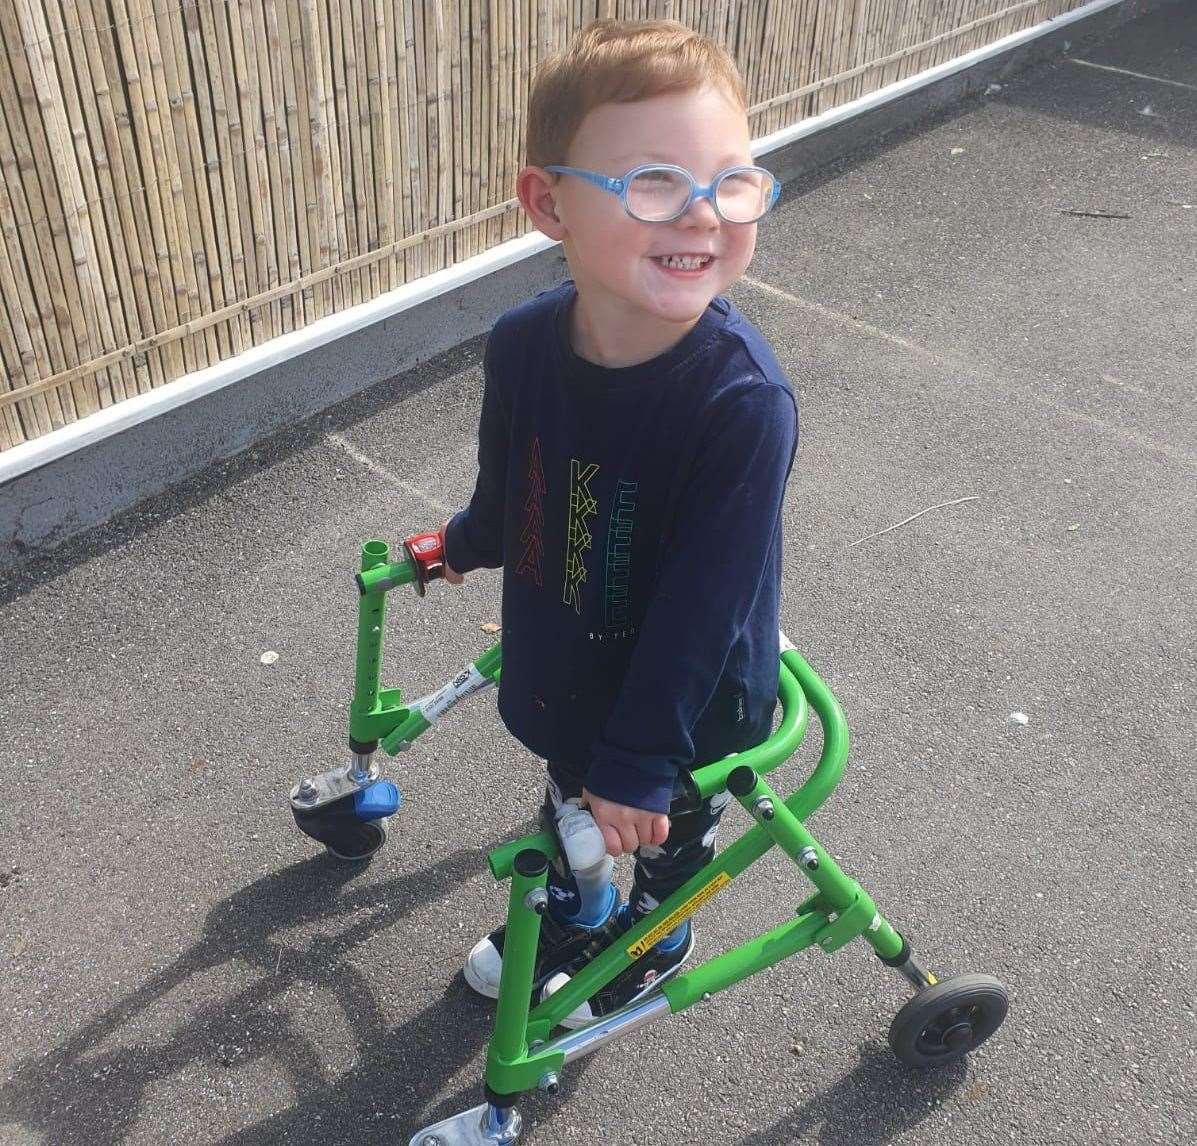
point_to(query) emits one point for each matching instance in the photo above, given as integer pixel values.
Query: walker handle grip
(426, 551)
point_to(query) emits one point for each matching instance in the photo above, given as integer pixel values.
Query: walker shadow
(75, 1095)
(872, 1104)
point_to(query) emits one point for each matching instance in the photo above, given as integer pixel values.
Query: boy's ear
(534, 186)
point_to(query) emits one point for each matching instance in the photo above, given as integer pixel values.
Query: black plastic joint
(362, 747)
(503, 1101)
(900, 958)
(530, 863)
(741, 781)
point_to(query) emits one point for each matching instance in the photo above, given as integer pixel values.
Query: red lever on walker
(427, 554)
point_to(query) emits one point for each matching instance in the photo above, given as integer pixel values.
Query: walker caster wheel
(945, 1021)
(353, 827)
(364, 842)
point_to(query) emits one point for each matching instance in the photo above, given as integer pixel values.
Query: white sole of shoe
(476, 984)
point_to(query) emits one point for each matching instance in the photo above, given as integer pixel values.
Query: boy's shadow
(74, 1094)
(872, 1104)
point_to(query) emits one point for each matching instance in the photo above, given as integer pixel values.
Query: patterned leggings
(660, 870)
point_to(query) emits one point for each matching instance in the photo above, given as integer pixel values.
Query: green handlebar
(822, 781)
(799, 688)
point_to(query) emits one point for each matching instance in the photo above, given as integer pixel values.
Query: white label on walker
(464, 684)
(434, 705)
(876, 924)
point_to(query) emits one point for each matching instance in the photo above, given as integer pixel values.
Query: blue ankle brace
(609, 905)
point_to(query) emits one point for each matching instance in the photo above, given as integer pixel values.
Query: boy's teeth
(685, 262)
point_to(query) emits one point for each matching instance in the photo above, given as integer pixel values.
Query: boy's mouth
(684, 266)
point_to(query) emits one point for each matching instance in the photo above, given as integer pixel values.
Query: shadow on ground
(874, 1103)
(75, 1094)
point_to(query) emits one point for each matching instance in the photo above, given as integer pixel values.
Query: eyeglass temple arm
(603, 181)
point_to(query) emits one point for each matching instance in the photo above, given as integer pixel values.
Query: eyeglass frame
(697, 191)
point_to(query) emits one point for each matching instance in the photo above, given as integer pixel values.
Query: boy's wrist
(452, 575)
(641, 782)
(458, 553)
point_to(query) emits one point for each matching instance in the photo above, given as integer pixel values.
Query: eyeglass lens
(658, 194)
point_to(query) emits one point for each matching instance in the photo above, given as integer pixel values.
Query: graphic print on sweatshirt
(619, 555)
(578, 538)
(532, 533)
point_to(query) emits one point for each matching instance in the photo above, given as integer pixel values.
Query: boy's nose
(701, 213)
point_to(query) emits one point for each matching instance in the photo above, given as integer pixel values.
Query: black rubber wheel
(338, 828)
(360, 845)
(942, 1023)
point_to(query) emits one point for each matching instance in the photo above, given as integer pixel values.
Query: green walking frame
(347, 809)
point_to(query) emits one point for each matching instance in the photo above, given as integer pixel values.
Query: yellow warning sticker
(701, 896)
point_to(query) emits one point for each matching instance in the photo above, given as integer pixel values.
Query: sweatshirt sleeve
(715, 560)
(474, 536)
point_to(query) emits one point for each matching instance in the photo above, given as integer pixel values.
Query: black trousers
(660, 870)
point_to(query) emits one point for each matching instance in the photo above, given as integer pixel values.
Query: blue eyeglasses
(660, 192)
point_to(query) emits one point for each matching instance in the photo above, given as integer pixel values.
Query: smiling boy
(635, 439)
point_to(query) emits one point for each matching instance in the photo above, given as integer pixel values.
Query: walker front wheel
(945, 1021)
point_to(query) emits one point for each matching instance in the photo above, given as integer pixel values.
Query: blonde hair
(620, 61)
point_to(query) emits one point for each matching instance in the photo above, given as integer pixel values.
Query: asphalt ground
(178, 963)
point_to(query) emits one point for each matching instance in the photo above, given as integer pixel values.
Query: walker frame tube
(943, 1021)
(520, 1055)
(836, 913)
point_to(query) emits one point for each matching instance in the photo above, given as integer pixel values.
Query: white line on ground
(841, 318)
(394, 479)
(1132, 437)
(1136, 75)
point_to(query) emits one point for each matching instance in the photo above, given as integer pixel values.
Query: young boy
(635, 440)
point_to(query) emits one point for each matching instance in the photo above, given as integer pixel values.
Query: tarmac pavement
(178, 963)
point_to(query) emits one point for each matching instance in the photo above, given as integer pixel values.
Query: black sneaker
(561, 943)
(634, 982)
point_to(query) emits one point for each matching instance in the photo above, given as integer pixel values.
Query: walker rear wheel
(945, 1021)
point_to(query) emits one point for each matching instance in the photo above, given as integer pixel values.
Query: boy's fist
(451, 574)
(625, 829)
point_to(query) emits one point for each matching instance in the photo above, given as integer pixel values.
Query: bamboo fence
(180, 181)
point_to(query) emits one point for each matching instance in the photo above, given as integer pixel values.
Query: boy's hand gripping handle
(426, 552)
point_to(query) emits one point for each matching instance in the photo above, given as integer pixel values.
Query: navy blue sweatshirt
(636, 513)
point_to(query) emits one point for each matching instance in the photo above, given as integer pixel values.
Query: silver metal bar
(915, 973)
(589, 1038)
(465, 683)
(360, 770)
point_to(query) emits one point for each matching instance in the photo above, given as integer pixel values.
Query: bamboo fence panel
(45, 293)
(183, 179)
(109, 302)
